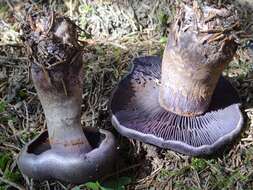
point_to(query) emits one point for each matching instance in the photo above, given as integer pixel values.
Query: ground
(115, 33)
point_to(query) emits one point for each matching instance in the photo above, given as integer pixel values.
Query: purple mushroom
(182, 102)
(66, 151)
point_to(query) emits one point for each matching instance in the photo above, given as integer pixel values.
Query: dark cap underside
(42, 162)
(137, 113)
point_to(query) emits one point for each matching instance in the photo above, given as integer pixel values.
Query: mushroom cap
(137, 114)
(39, 161)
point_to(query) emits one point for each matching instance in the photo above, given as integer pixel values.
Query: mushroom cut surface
(137, 114)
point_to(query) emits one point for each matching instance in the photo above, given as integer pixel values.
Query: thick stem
(57, 75)
(62, 108)
(192, 63)
(187, 87)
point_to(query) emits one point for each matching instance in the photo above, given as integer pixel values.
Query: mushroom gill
(181, 101)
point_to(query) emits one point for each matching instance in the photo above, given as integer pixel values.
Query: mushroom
(182, 102)
(66, 151)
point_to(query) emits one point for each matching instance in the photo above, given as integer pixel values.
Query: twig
(11, 146)
(51, 22)
(63, 187)
(54, 64)
(151, 175)
(19, 187)
(27, 116)
(64, 87)
(10, 5)
(121, 171)
(215, 37)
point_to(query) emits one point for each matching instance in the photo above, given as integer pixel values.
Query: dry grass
(128, 33)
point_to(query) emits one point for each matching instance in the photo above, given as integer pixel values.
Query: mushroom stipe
(137, 114)
(65, 151)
